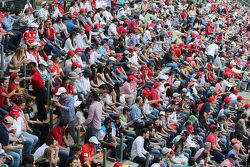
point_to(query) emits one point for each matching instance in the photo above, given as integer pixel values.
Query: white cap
(43, 62)
(112, 58)
(60, 91)
(34, 25)
(34, 44)
(176, 94)
(151, 28)
(94, 140)
(165, 150)
(162, 113)
(43, 3)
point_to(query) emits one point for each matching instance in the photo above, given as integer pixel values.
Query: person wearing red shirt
(58, 133)
(66, 85)
(155, 95)
(50, 33)
(14, 84)
(88, 152)
(216, 149)
(4, 96)
(38, 85)
(29, 36)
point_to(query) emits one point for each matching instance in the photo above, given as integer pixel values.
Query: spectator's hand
(183, 162)
(19, 146)
(114, 144)
(10, 33)
(39, 122)
(12, 131)
(9, 157)
(29, 130)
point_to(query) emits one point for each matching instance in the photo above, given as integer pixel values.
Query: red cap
(209, 66)
(132, 49)
(143, 67)
(126, 21)
(76, 65)
(239, 98)
(76, 13)
(227, 100)
(211, 99)
(190, 129)
(13, 75)
(199, 73)
(97, 25)
(235, 140)
(15, 110)
(118, 164)
(212, 126)
(55, 2)
(2, 15)
(87, 28)
(189, 59)
(247, 106)
(157, 84)
(194, 35)
(146, 92)
(131, 78)
(78, 50)
(71, 53)
(181, 44)
(136, 30)
(82, 10)
(236, 90)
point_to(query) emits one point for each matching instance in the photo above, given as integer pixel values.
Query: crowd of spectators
(165, 74)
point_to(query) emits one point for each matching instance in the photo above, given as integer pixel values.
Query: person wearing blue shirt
(8, 22)
(67, 109)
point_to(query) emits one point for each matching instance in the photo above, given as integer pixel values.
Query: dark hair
(20, 101)
(50, 140)
(2, 80)
(28, 99)
(103, 86)
(32, 64)
(63, 122)
(143, 131)
(28, 160)
(76, 148)
(70, 160)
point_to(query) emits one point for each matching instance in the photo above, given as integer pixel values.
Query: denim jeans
(30, 142)
(91, 131)
(172, 65)
(17, 155)
(63, 155)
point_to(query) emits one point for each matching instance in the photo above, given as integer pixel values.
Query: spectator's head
(63, 123)
(126, 110)
(207, 146)
(50, 141)
(103, 88)
(62, 93)
(77, 149)
(191, 161)
(8, 121)
(28, 160)
(65, 81)
(94, 96)
(45, 5)
(43, 65)
(73, 162)
(55, 59)
(21, 103)
(4, 83)
(214, 129)
(93, 141)
(232, 158)
(32, 66)
(107, 122)
(139, 101)
(49, 154)
(144, 133)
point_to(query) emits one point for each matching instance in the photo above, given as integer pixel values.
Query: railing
(2, 61)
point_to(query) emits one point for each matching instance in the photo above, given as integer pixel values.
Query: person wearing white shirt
(97, 16)
(50, 142)
(211, 50)
(94, 57)
(82, 40)
(43, 13)
(112, 28)
(147, 36)
(138, 153)
(70, 43)
(107, 15)
(27, 6)
(56, 13)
